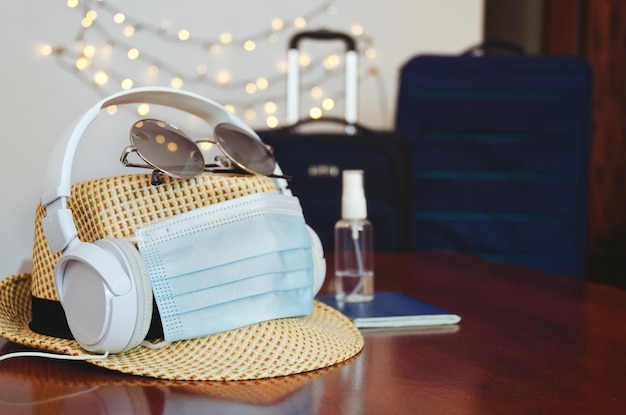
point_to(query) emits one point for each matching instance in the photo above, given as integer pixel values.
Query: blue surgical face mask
(229, 265)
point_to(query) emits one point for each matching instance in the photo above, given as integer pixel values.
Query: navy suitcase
(499, 156)
(316, 160)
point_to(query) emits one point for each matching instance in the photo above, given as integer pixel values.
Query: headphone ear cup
(106, 294)
(139, 272)
(319, 262)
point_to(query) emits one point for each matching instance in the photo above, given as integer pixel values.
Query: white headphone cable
(53, 356)
(83, 357)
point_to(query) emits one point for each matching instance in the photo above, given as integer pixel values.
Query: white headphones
(104, 287)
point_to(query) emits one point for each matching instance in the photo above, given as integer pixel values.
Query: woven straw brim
(274, 348)
(54, 380)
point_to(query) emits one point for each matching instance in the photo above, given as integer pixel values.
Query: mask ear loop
(155, 346)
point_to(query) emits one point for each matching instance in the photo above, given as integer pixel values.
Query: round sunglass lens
(167, 148)
(248, 152)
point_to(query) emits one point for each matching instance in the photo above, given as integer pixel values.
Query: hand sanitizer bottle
(354, 256)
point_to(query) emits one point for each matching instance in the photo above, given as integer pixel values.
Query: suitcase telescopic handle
(322, 35)
(351, 81)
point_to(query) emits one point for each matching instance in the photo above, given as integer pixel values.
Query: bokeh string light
(108, 39)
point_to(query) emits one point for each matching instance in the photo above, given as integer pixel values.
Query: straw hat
(111, 208)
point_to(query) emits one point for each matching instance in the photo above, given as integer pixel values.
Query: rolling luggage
(499, 152)
(316, 159)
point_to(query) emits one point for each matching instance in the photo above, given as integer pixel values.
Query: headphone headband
(57, 181)
(58, 224)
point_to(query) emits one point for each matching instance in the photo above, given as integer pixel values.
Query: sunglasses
(168, 150)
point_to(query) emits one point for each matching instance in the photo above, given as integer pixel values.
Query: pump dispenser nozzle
(353, 203)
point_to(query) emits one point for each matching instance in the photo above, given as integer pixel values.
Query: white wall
(38, 98)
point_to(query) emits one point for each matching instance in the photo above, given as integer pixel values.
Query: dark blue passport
(392, 309)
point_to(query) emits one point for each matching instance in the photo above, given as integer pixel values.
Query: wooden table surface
(528, 343)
